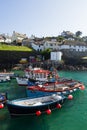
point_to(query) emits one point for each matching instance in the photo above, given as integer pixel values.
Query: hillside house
(73, 46)
(17, 37)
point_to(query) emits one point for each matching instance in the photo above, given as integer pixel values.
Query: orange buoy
(48, 111)
(70, 97)
(1, 105)
(38, 113)
(82, 87)
(58, 106)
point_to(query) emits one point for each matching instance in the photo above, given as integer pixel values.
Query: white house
(2, 38)
(73, 46)
(42, 45)
(18, 37)
(38, 46)
(53, 45)
(5, 38)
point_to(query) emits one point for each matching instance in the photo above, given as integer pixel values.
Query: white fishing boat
(38, 74)
(22, 81)
(10, 74)
(4, 78)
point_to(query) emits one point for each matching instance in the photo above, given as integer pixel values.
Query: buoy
(1, 105)
(38, 113)
(82, 87)
(48, 111)
(58, 106)
(70, 97)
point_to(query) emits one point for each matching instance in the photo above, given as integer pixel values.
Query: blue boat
(35, 106)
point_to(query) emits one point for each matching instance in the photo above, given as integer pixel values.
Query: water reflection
(27, 123)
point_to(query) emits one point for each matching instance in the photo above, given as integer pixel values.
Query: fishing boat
(22, 81)
(35, 106)
(10, 74)
(35, 75)
(32, 76)
(39, 74)
(49, 88)
(4, 78)
(3, 99)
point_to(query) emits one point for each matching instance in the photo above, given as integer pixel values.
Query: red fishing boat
(39, 74)
(63, 87)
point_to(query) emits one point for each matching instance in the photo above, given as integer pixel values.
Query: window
(51, 44)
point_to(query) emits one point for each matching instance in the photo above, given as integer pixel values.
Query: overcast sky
(43, 17)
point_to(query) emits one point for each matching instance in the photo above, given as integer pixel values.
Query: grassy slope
(14, 48)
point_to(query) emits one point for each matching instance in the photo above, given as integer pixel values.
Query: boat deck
(37, 101)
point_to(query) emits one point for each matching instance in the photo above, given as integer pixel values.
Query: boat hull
(35, 91)
(33, 94)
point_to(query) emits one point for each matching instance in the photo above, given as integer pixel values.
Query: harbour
(43, 65)
(71, 116)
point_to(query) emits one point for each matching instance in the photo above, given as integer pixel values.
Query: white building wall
(73, 47)
(34, 46)
(8, 40)
(41, 47)
(14, 37)
(84, 48)
(17, 36)
(37, 47)
(51, 44)
(56, 56)
(64, 47)
(56, 46)
(1, 40)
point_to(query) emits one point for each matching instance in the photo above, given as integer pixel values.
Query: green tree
(60, 38)
(78, 33)
(46, 53)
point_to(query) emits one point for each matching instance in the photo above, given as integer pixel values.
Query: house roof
(74, 43)
(2, 37)
(19, 34)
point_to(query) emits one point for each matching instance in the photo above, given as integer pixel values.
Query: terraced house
(65, 45)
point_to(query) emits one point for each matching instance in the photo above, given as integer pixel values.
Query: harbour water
(72, 115)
